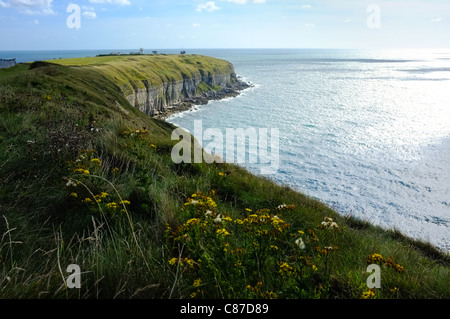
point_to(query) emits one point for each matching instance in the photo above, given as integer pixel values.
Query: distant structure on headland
(7, 63)
(141, 52)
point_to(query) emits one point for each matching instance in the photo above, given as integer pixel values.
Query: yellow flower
(197, 283)
(82, 171)
(75, 195)
(368, 294)
(125, 202)
(112, 205)
(192, 221)
(115, 170)
(96, 160)
(87, 201)
(190, 262)
(248, 209)
(173, 261)
(223, 232)
(221, 174)
(286, 269)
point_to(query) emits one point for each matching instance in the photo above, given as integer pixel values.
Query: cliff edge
(160, 85)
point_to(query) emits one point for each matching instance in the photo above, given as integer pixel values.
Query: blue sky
(184, 24)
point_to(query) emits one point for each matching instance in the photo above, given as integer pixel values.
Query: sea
(366, 132)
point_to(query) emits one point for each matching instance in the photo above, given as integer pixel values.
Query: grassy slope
(50, 116)
(129, 71)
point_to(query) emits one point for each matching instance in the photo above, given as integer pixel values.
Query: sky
(184, 24)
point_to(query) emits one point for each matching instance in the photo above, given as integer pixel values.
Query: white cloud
(246, 1)
(31, 7)
(120, 2)
(209, 6)
(436, 20)
(306, 6)
(89, 14)
(310, 25)
(196, 25)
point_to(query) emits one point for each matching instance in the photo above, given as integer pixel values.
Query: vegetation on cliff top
(129, 72)
(87, 179)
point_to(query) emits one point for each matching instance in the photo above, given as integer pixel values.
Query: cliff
(86, 182)
(160, 85)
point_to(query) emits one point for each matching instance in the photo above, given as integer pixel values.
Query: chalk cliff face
(175, 95)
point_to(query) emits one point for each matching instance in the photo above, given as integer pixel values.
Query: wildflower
(274, 247)
(375, 259)
(248, 210)
(71, 183)
(82, 171)
(190, 262)
(153, 146)
(368, 294)
(314, 267)
(173, 261)
(192, 221)
(115, 170)
(75, 195)
(329, 223)
(96, 160)
(300, 244)
(125, 202)
(197, 283)
(112, 205)
(223, 232)
(103, 195)
(221, 174)
(87, 201)
(218, 219)
(208, 213)
(286, 269)
(281, 206)
(226, 218)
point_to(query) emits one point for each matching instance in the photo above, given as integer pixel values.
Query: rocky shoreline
(231, 90)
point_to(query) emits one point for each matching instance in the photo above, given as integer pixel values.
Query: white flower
(194, 202)
(208, 213)
(71, 183)
(329, 223)
(299, 242)
(218, 220)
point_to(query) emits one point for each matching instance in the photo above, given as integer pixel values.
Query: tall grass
(83, 181)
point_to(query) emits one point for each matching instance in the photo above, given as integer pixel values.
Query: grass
(128, 72)
(87, 179)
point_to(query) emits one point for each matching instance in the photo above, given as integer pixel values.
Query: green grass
(129, 71)
(59, 121)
